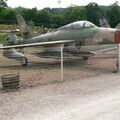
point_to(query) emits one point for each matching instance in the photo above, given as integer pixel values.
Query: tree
(3, 10)
(57, 20)
(3, 3)
(72, 14)
(48, 16)
(10, 16)
(113, 14)
(83, 14)
(93, 12)
(44, 17)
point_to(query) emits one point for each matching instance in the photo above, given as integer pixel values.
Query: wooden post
(62, 74)
(119, 57)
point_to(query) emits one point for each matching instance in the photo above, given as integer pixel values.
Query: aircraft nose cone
(117, 37)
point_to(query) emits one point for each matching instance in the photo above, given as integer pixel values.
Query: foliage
(3, 3)
(43, 17)
(72, 14)
(94, 12)
(113, 14)
(57, 17)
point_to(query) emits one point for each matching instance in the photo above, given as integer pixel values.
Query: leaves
(3, 3)
(113, 14)
(56, 17)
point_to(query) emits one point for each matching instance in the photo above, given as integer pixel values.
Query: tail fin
(24, 29)
(103, 22)
(118, 26)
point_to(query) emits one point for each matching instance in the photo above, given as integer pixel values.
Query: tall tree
(72, 14)
(93, 12)
(3, 10)
(44, 17)
(3, 3)
(57, 20)
(113, 14)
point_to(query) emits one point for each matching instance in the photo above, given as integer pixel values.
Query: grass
(2, 37)
(5, 27)
(37, 30)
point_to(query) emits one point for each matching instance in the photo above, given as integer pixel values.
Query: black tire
(24, 61)
(85, 58)
(117, 64)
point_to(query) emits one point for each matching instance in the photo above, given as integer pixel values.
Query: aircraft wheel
(117, 64)
(24, 61)
(85, 58)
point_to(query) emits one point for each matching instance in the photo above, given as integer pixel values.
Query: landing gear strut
(24, 61)
(117, 65)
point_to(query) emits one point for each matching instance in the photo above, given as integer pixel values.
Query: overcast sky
(54, 3)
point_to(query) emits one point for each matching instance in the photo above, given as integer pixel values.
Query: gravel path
(94, 98)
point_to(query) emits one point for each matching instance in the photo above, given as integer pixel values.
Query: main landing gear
(23, 61)
(84, 58)
(117, 65)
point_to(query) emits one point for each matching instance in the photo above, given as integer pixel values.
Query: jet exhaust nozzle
(117, 37)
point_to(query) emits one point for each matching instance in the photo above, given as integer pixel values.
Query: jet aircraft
(76, 32)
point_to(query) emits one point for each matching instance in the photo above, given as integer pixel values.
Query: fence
(44, 67)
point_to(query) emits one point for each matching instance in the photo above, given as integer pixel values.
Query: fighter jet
(77, 32)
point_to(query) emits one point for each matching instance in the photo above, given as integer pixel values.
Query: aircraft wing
(106, 48)
(99, 48)
(51, 43)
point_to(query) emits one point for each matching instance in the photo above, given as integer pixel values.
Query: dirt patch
(41, 71)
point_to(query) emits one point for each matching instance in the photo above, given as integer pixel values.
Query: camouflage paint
(78, 31)
(66, 33)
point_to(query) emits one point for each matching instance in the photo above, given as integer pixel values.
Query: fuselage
(78, 31)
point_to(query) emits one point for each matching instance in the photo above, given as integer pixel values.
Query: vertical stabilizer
(103, 22)
(24, 29)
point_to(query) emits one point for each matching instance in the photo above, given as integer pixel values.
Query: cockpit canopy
(77, 25)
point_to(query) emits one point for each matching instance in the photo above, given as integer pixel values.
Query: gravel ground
(90, 91)
(42, 71)
(95, 98)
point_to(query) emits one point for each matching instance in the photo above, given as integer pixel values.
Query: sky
(40, 4)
